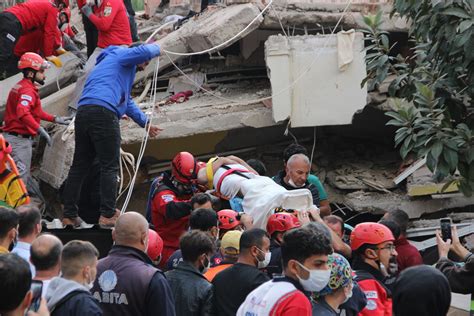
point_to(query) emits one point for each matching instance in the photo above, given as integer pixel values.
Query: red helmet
(370, 234)
(281, 222)
(33, 61)
(155, 245)
(184, 167)
(228, 219)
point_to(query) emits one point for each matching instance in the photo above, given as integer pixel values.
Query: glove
(45, 134)
(55, 60)
(60, 51)
(63, 120)
(86, 10)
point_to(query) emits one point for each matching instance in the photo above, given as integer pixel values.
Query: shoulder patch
(371, 305)
(26, 97)
(371, 294)
(24, 103)
(107, 10)
(167, 198)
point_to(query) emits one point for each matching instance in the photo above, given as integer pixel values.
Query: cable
(144, 140)
(291, 85)
(226, 42)
(314, 145)
(157, 30)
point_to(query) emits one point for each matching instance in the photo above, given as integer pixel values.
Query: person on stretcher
(230, 176)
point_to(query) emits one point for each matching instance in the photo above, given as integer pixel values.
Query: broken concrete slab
(307, 86)
(378, 203)
(199, 33)
(207, 114)
(421, 182)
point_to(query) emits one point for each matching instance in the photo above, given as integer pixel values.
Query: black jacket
(192, 292)
(69, 298)
(461, 279)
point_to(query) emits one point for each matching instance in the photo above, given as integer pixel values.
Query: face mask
(206, 266)
(317, 280)
(291, 183)
(15, 240)
(264, 263)
(348, 296)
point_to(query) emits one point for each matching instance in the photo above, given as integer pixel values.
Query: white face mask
(291, 183)
(89, 285)
(266, 261)
(317, 280)
(348, 296)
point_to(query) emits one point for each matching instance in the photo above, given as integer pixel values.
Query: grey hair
(296, 157)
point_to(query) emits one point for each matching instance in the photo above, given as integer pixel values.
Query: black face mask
(206, 266)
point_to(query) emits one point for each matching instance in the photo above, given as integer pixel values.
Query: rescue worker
(24, 113)
(110, 19)
(89, 28)
(105, 99)
(170, 202)
(22, 19)
(277, 225)
(373, 248)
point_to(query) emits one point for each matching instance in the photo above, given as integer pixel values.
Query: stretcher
(13, 191)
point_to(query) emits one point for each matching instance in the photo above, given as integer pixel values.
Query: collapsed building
(249, 77)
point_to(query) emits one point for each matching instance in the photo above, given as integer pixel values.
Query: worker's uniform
(111, 20)
(23, 114)
(22, 19)
(170, 212)
(371, 282)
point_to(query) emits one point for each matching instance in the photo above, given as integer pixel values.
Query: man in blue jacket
(104, 100)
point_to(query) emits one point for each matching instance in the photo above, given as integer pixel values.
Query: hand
(246, 220)
(154, 130)
(42, 311)
(63, 120)
(60, 51)
(55, 60)
(86, 10)
(303, 217)
(457, 247)
(443, 246)
(45, 134)
(315, 214)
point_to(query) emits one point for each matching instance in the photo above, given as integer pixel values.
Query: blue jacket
(110, 82)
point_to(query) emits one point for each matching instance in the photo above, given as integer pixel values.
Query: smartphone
(445, 224)
(36, 289)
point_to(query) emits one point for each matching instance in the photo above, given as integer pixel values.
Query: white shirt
(22, 249)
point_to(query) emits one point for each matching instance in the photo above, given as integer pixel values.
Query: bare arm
(337, 243)
(238, 160)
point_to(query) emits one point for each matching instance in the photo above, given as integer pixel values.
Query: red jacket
(170, 213)
(379, 297)
(408, 255)
(112, 23)
(42, 15)
(33, 42)
(23, 112)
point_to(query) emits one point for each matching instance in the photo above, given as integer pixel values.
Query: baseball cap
(230, 243)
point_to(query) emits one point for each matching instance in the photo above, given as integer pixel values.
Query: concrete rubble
(240, 78)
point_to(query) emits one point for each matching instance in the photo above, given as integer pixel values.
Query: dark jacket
(311, 187)
(69, 298)
(128, 284)
(461, 279)
(191, 290)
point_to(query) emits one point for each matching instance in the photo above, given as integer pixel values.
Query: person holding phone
(461, 279)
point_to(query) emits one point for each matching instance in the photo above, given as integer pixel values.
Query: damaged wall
(322, 94)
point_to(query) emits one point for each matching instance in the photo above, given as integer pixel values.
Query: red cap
(281, 222)
(33, 61)
(228, 219)
(155, 245)
(184, 167)
(370, 234)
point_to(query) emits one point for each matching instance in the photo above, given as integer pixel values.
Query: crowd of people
(196, 255)
(217, 237)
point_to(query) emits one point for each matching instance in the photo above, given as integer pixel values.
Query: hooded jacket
(69, 298)
(110, 82)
